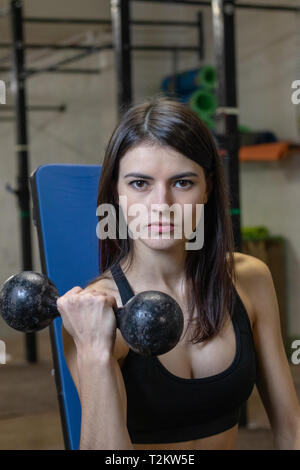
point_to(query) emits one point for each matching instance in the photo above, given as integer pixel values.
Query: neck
(162, 269)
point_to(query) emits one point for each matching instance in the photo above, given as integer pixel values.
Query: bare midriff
(222, 441)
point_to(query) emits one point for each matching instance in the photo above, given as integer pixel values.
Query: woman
(159, 155)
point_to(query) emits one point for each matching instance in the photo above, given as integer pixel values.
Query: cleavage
(201, 360)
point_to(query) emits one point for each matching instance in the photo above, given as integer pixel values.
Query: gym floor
(29, 413)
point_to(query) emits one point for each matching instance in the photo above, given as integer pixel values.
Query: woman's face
(157, 178)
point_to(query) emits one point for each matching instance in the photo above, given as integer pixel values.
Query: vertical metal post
(224, 38)
(120, 16)
(175, 61)
(22, 191)
(223, 13)
(200, 35)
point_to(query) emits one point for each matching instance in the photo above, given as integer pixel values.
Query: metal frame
(224, 38)
(120, 14)
(96, 48)
(37, 107)
(22, 192)
(251, 6)
(107, 22)
(223, 12)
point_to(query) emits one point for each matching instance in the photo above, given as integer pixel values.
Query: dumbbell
(151, 322)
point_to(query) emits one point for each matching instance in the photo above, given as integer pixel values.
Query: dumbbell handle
(51, 303)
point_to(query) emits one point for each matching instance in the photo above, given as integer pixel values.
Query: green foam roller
(207, 77)
(203, 102)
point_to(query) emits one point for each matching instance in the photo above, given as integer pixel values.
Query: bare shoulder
(249, 266)
(251, 274)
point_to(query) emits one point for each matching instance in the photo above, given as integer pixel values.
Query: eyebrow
(180, 175)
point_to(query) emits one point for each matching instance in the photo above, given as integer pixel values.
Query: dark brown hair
(209, 271)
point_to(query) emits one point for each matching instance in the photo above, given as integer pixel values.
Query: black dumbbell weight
(151, 322)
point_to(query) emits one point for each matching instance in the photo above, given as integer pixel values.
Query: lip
(161, 227)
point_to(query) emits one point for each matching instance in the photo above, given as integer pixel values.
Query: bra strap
(241, 314)
(123, 285)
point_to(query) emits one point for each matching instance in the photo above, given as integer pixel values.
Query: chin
(162, 244)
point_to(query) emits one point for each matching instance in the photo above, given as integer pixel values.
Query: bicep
(274, 379)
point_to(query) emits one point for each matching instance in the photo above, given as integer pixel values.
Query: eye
(140, 183)
(185, 181)
(137, 181)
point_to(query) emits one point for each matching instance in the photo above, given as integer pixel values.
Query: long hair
(209, 271)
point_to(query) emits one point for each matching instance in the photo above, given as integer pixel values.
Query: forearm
(103, 422)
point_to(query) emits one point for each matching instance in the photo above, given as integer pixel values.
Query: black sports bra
(165, 408)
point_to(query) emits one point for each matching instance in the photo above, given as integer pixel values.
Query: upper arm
(274, 379)
(71, 360)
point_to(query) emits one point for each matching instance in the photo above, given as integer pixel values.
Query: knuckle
(60, 302)
(89, 296)
(72, 299)
(100, 300)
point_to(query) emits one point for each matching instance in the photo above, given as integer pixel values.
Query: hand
(88, 317)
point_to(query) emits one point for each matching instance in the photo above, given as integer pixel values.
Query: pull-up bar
(36, 107)
(30, 71)
(142, 47)
(252, 6)
(88, 50)
(88, 21)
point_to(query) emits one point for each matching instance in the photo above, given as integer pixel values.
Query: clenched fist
(88, 316)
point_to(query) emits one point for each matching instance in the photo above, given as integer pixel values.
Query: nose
(161, 195)
(161, 201)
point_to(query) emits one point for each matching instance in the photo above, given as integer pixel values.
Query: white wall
(266, 66)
